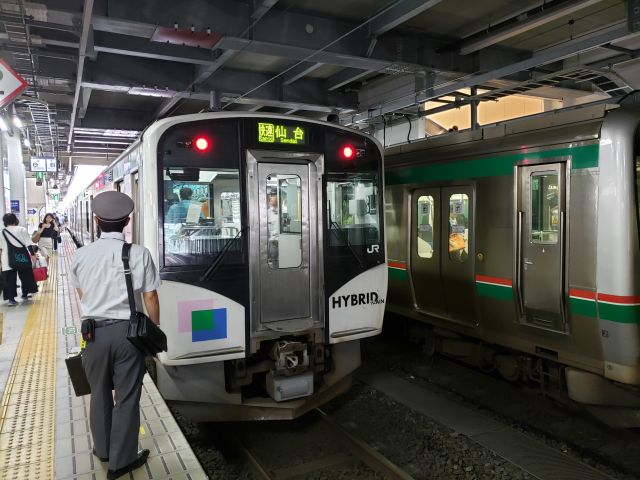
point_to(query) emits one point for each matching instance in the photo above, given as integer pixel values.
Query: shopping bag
(40, 274)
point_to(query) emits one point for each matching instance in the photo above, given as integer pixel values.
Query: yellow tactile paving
(28, 407)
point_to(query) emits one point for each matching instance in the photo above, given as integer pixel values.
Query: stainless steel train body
(268, 234)
(518, 243)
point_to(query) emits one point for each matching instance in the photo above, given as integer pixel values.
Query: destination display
(269, 132)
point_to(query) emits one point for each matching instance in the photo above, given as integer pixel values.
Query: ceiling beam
(84, 37)
(524, 22)
(300, 71)
(345, 77)
(399, 13)
(86, 95)
(262, 9)
(138, 47)
(570, 48)
(300, 53)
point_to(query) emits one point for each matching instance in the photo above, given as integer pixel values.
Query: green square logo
(201, 320)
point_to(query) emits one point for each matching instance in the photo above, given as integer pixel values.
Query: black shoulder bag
(142, 332)
(19, 258)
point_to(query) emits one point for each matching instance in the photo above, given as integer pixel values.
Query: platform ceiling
(98, 67)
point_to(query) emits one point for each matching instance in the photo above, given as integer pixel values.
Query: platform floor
(44, 427)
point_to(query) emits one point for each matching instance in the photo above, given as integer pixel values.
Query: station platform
(44, 427)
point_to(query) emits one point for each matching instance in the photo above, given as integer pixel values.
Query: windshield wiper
(345, 237)
(215, 265)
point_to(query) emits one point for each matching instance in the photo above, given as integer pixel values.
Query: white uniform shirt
(98, 271)
(21, 234)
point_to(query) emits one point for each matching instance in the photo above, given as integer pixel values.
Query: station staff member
(110, 361)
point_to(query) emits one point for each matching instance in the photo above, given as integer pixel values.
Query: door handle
(527, 262)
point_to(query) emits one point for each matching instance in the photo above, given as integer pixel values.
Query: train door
(283, 237)
(284, 242)
(426, 251)
(442, 261)
(540, 274)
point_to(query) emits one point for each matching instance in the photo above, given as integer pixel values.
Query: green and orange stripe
(397, 270)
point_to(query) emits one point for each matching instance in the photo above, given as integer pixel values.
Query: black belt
(106, 323)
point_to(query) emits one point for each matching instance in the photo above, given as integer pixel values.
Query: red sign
(11, 84)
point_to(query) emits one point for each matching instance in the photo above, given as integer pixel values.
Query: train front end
(269, 238)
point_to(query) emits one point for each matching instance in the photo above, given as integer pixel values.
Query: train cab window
(425, 226)
(353, 210)
(459, 227)
(201, 215)
(284, 221)
(544, 208)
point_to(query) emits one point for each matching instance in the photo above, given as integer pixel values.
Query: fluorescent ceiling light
(17, 122)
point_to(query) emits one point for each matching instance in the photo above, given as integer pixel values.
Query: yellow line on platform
(28, 407)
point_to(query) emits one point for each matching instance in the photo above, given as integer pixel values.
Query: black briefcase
(76, 373)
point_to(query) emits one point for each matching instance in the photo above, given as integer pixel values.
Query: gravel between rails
(615, 452)
(419, 445)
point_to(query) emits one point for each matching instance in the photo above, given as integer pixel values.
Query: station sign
(15, 206)
(41, 164)
(11, 84)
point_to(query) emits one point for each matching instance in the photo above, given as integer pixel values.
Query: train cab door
(457, 247)
(426, 251)
(283, 236)
(540, 246)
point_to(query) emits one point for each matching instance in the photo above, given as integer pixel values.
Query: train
(269, 237)
(515, 248)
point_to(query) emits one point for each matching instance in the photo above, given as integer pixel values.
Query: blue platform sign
(15, 206)
(31, 211)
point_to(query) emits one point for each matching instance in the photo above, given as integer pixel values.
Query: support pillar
(474, 108)
(17, 186)
(3, 163)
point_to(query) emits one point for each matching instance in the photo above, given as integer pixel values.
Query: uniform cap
(112, 206)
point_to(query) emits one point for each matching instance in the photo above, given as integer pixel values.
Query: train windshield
(201, 214)
(352, 201)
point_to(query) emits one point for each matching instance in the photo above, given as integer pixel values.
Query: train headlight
(348, 152)
(202, 144)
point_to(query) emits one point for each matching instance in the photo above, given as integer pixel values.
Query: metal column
(17, 187)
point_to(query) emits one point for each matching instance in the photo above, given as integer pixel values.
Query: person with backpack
(16, 260)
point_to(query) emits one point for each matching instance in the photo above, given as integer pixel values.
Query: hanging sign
(11, 84)
(38, 164)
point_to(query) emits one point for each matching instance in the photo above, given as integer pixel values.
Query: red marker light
(201, 143)
(348, 152)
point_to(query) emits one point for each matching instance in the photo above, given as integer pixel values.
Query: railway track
(334, 451)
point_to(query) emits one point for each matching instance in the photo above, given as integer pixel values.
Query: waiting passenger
(19, 238)
(47, 231)
(179, 213)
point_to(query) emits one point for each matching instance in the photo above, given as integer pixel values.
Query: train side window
(544, 208)
(459, 227)
(201, 213)
(426, 209)
(284, 221)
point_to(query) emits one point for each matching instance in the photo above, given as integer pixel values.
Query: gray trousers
(111, 362)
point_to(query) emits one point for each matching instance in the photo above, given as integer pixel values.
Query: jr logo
(373, 249)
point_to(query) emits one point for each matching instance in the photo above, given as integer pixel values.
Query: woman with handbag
(16, 260)
(47, 231)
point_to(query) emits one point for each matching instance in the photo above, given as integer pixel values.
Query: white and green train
(517, 245)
